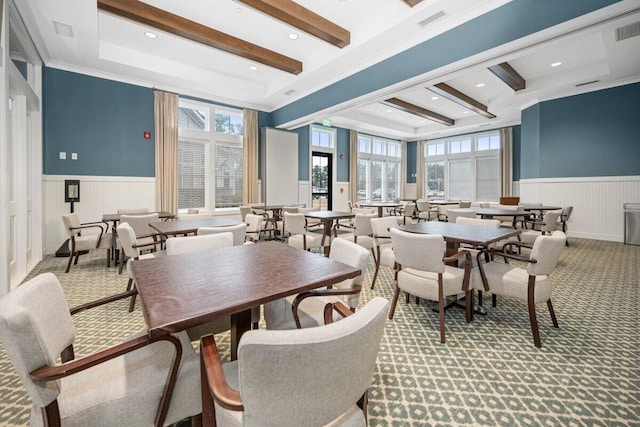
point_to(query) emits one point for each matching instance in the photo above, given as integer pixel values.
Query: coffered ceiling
(265, 54)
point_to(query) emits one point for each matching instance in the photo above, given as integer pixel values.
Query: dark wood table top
(462, 233)
(329, 215)
(501, 212)
(187, 226)
(380, 204)
(115, 217)
(542, 208)
(443, 202)
(181, 291)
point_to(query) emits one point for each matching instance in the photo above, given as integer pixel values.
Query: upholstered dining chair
(308, 377)
(85, 237)
(190, 244)
(281, 231)
(531, 284)
(300, 237)
(254, 227)
(382, 239)
(360, 232)
(547, 225)
(239, 232)
(425, 211)
(130, 211)
(423, 272)
(145, 235)
(133, 251)
(308, 308)
(142, 380)
(564, 219)
(405, 214)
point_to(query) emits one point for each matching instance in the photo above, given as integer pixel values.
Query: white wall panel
(98, 195)
(304, 192)
(597, 202)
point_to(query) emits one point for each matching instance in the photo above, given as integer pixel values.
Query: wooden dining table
(489, 213)
(327, 219)
(380, 206)
(190, 226)
(181, 291)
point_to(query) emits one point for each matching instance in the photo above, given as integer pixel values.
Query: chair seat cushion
(86, 242)
(353, 417)
(364, 241)
(387, 257)
(95, 396)
(509, 280)
(313, 241)
(424, 284)
(278, 314)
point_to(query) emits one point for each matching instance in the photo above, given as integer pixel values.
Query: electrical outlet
(74, 156)
(63, 155)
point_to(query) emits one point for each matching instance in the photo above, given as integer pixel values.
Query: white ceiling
(111, 47)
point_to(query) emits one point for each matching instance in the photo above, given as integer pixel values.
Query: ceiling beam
(507, 74)
(460, 98)
(182, 27)
(407, 107)
(303, 19)
(412, 2)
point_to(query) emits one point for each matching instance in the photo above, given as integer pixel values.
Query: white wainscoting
(597, 202)
(341, 196)
(304, 192)
(98, 195)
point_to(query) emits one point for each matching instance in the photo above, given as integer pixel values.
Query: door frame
(331, 184)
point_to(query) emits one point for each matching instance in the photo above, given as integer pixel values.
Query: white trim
(96, 178)
(582, 179)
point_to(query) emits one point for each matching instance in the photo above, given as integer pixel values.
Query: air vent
(431, 19)
(628, 31)
(290, 92)
(587, 83)
(63, 29)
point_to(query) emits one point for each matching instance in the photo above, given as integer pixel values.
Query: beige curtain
(420, 190)
(250, 158)
(166, 128)
(506, 161)
(353, 166)
(403, 169)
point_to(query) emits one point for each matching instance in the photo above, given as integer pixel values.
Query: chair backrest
(362, 223)
(350, 205)
(381, 226)
(352, 254)
(476, 222)
(290, 209)
(566, 213)
(127, 238)
(455, 213)
(254, 223)
(546, 251)
(484, 205)
(295, 223)
(420, 251)
(133, 211)
(140, 223)
(71, 220)
(244, 210)
(303, 384)
(409, 209)
(549, 222)
(188, 244)
(302, 209)
(464, 204)
(195, 215)
(363, 211)
(35, 327)
(239, 232)
(422, 205)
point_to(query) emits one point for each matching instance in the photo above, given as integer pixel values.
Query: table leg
(327, 235)
(240, 323)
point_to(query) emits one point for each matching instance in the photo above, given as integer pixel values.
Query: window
(464, 168)
(321, 137)
(378, 168)
(209, 160)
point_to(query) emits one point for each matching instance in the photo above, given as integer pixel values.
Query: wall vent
(587, 83)
(290, 92)
(431, 19)
(63, 29)
(628, 31)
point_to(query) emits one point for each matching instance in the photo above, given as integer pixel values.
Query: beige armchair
(239, 232)
(360, 232)
(382, 239)
(140, 381)
(85, 237)
(145, 235)
(300, 237)
(308, 377)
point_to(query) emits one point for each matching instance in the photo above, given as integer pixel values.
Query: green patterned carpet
(587, 373)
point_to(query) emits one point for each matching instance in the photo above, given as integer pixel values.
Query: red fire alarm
(147, 134)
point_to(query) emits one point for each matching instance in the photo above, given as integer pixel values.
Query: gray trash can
(632, 223)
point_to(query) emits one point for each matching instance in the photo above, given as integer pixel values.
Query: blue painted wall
(343, 150)
(593, 134)
(510, 22)
(516, 150)
(342, 147)
(412, 160)
(303, 153)
(101, 120)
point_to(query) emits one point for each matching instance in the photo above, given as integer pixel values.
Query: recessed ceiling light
(151, 35)
(423, 121)
(556, 64)
(253, 68)
(434, 98)
(293, 36)
(465, 112)
(389, 110)
(480, 85)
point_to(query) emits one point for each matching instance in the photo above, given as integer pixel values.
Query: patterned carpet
(488, 373)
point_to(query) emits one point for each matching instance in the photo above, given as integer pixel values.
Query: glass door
(321, 180)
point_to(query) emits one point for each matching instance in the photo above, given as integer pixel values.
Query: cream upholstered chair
(547, 225)
(361, 231)
(425, 211)
(300, 237)
(423, 271)
(405, 214)
(129, 211)
(190, 244)
(116, 386)
(281, 231)
(132, 250)
(312, 223)
(455, 213)
(254, 227)
(564, 218)
(531, 284)
(244, 210)
(307, 309)
(465, 204)
(145, 235)
(382, 239)
(85, 237)
(198, 215)
(239, 232)
(306, 377)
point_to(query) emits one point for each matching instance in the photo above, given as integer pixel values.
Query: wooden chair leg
(132, 303)
(469, 305)
(75, 261)
(108, 258)
(69, 263)
(494, 300)
(121, 262)
(375, 275)
(479, 297)
(441, 315)
(392, 310)
(532, 312)
(553, 314)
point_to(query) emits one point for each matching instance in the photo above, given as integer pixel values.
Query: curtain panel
(403, 169)
(166, 128)
(250, 158)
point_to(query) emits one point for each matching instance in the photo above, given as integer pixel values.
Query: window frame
(369, 158)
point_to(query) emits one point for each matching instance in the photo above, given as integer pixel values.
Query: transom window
(321, 137)
(378, 168)
(209, 160)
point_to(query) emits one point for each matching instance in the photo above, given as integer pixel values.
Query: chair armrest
(144, 245)
(318, 293)
(83, 226)
(467, 266)
(212, 370)
(507, 255)
(98, 223)
(102, 301)
(457, 255)
(342, 310)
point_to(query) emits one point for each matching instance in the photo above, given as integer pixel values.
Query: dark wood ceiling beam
(407, 107)
(507, 74)
(179, 26)
(293, 14)
(412, 2)
(460, 98)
